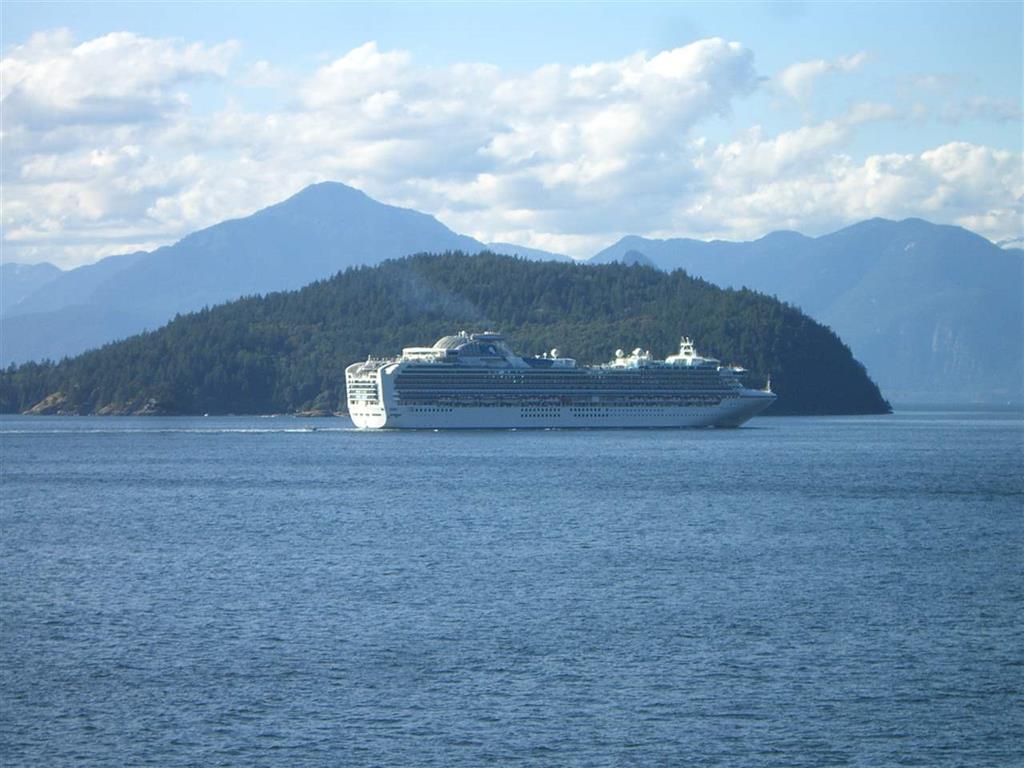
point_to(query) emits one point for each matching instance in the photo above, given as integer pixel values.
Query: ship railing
(575, 401)
(434, 391)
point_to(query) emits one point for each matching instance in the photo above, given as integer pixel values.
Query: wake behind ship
(475, 381)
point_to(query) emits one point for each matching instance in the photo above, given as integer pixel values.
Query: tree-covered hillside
(287, 351)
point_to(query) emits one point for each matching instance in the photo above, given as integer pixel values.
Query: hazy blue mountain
(534, 254)
(52, 334)
(933, 311)
(632, 256)
(718, 261)
(17, 281)
(317, 232)
(73, 287)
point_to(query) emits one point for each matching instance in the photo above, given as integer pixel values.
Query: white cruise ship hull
(476, 382)
(729, 413)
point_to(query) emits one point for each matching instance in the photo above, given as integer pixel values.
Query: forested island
(286, 352)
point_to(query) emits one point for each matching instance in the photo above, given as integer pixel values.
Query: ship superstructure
(475, 381)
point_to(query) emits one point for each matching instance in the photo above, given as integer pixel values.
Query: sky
(561, 126)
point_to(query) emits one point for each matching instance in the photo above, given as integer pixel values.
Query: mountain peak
(332, 189)
(886, 234)
(324, 197)
(783, 237)
(317, 232)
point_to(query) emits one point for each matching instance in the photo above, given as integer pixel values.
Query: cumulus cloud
(797, 80)
(117, 78)
(361, 72)
(564, 145)
(974, 186)
(104, 151)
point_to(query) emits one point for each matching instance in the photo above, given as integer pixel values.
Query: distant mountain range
(533, 254)
(322, 230)
(18, 281)
(935, 312)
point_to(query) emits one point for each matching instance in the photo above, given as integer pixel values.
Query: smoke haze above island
(125, 129)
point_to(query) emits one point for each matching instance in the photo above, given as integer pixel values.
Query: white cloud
(797, 80)
(754, 158)
(562, 157)
(561, 142)
(974, 186)
(359, 73)
(120, 77)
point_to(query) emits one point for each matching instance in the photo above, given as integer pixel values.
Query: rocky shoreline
(59, 404)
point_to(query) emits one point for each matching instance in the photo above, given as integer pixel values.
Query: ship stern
(365, 395)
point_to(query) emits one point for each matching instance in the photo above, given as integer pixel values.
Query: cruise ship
(475, 381)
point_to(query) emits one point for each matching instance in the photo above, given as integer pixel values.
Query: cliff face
(54, 404)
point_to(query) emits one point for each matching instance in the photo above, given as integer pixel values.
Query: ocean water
(244, 591)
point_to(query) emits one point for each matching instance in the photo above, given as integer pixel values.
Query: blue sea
(256, 592)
